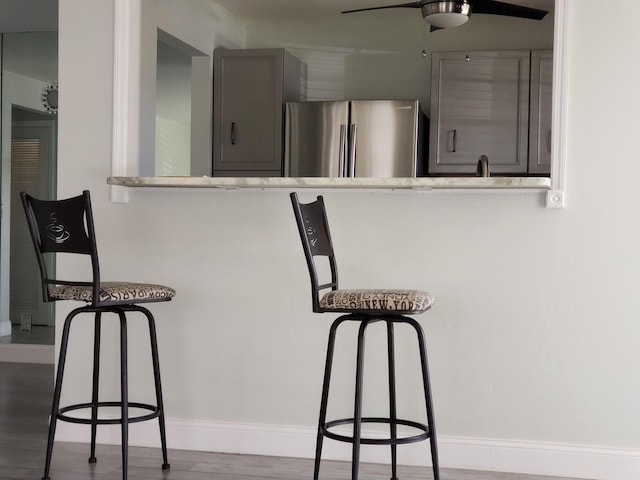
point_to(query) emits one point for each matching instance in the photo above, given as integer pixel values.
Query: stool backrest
(62, 226)
(313, 228)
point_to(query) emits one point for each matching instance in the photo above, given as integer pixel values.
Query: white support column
(556, 197)
(126, 93)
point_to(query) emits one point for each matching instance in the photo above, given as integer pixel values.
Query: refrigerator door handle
(352, 149)
(342, 167)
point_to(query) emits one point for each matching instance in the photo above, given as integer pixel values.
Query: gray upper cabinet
(540, 130)
(479, 106)
(251, 87)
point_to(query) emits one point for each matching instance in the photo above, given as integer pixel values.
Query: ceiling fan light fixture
(446, 14)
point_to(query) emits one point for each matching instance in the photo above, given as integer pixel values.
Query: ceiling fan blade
(402, 5)
(500, 8)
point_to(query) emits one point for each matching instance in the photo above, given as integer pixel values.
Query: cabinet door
(248, 111)
(479, 106)
(541, 93)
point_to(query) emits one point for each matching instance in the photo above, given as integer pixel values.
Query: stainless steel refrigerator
(357, 138)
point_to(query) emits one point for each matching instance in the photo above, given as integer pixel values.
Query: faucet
(483, 167)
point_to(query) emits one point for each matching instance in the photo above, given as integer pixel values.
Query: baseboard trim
(22, 353)
(484, 454)
(5, 328)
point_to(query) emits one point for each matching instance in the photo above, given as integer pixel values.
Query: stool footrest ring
(424, 429)
(155, 412)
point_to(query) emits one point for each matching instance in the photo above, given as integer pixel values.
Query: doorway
(33, 168)
(29, 146)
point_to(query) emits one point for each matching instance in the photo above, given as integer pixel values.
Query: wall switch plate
(25, 322)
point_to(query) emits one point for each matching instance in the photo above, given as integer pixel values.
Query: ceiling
(30, 44)
(32, 54)
(256, 10)
(28, 15)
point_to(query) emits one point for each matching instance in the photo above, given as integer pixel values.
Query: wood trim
(556, 197)
(469, 453)
(126, 99)
(126, 92)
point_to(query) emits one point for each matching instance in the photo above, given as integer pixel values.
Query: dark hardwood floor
(38, 335)
(25, 396)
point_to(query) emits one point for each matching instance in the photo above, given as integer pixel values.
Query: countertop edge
(423, 183)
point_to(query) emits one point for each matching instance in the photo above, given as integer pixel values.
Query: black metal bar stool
(365, 307)
(66, 226)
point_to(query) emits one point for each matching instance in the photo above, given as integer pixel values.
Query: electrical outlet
(25, 322)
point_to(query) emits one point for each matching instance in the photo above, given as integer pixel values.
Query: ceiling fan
(445, 14)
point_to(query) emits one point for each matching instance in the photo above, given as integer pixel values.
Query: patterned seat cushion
(376, 301)
(123, 293)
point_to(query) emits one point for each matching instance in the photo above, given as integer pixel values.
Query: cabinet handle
(454, 140)
(343, 151)
(233, 133)
(549, 141)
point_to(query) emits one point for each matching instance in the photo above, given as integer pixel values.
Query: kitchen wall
(532, 341)
(379, 55)
(189, 21)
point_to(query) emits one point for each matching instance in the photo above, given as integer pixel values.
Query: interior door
(33, 171)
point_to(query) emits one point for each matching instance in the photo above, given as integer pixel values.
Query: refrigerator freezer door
(316, 139)
(388, 137)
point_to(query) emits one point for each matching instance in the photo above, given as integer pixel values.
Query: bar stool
(66, 226)
(365, 307)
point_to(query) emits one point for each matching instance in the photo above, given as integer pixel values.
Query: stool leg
(325, 395)
(427, 397)
(124, 393)
(94, 393)
(55, 405)
(158, 385)
(392, 398)
(357, 408)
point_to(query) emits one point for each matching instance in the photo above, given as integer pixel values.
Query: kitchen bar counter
(423, 183)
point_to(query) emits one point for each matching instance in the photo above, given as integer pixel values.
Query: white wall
(532, 341)
(173, 111)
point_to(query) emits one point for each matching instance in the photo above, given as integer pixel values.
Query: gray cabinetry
(251, 87)
(479, 106)
(541, 96)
